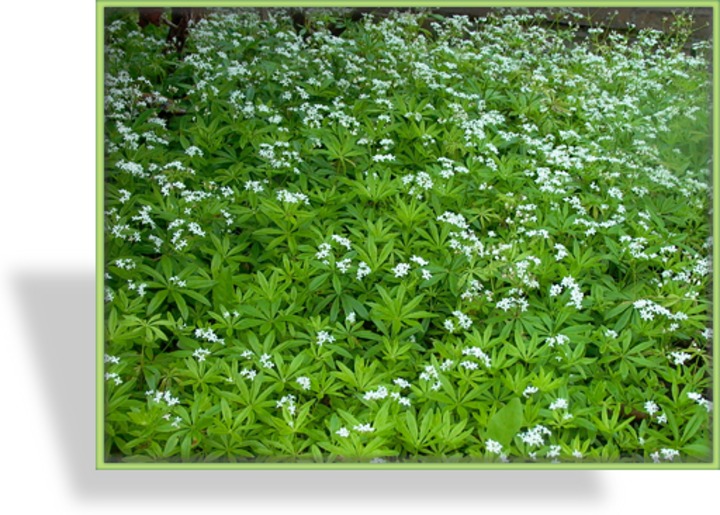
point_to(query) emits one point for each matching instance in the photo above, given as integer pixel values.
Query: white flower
(420, 261)
(265, 361)
(200, 354)
(342, 241)
(463, 320)
(529, 391)
(560, 339)
(493, 446)
(193, 151)
(350, 318)
(401, 270)
(248, 373)
(700, 400)
(479, 354)
(304, 382)
(534, 436)
(402, 383)
(554, 451)
(343, 432)
(166, 397)
(289, 402)
(124, 196)
(254, 186)
(323, 251)
(651, 408)
(112, 359)
(292, 198)
(404, 401)
(380, 393)
(559, 403)
(324, 337)
(446, 365)
(362, 270)
(115, 377)
(561, 251)
(669, 454)
(364, 428)
(679, 358)
(344, 265)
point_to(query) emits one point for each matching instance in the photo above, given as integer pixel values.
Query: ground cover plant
(407, 238)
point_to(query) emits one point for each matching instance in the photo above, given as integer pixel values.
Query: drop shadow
(59, 313)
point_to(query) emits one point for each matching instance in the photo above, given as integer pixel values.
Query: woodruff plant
(425, 239)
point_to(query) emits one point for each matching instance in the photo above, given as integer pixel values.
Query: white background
(47, 306)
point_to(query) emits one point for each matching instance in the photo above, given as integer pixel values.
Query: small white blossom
(287, 401)
(248, 373)
(115, 377)
(362, 270)
(679, 358)
(404, 401)
(420, 261)
(493, 446)
(324, 337)
(559, 403)
(200, 354)
(380, 393)
(304, 382)
(651, 408)
(193, 151)
(554, 451)
(265, 361)
(112, 359)
(669, 454)
(529, 391)
(463, 320)
(402, 383)
(401, 270)
(700, 400)
(534, 436)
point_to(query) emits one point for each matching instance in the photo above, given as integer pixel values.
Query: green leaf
(318, 282)
(505, 424)
(156, 301)
(181, 304)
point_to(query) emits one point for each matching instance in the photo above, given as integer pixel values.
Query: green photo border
(101, 5)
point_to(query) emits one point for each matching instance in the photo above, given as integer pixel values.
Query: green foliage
(426, 239)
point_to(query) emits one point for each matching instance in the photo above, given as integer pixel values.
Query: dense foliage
(423, 239)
